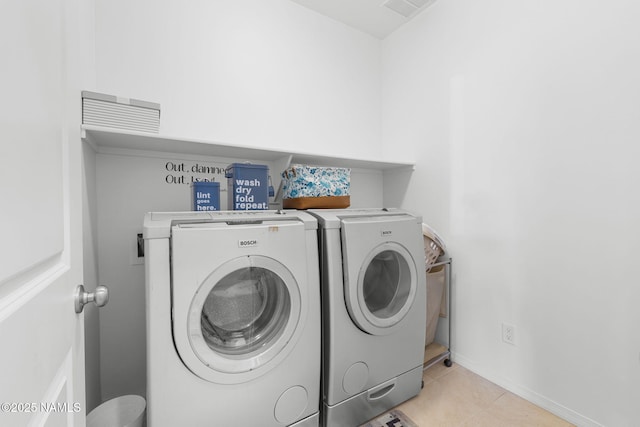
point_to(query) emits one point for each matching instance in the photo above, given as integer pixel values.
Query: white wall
(90, 280)
(253, 72)
(524, 120)
(261, 73)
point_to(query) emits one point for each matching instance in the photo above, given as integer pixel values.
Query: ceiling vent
(420, 3)
(407, 8)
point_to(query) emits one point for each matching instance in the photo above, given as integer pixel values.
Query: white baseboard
(533, 397)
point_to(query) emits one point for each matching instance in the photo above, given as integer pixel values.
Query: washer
(233, 319)
(374, 311)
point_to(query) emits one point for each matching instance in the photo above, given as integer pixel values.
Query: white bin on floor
(123, 411)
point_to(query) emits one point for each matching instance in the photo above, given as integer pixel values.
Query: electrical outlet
(509, 333)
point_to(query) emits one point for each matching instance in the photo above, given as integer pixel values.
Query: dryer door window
(244, 315)
(387, 286)
(246, 310)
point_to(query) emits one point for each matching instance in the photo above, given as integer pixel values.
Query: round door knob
(100, 297)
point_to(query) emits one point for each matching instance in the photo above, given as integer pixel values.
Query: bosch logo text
(247, 243)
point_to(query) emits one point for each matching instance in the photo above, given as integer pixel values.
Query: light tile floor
(458, 397)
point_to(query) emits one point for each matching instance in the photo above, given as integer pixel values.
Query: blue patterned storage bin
(307, 187)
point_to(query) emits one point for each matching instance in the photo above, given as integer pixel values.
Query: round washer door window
(244, 315)
(387, 285)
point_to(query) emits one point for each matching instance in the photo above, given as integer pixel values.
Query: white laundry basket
(122, 411)
(434, 248)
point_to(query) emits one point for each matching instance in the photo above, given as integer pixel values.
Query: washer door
(242, 319)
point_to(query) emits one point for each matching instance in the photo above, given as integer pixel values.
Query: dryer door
(244, 314)
(242, 318)
(381, 280)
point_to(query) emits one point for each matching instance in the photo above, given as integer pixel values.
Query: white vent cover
(99, 109)
(402, 7)
(407, 8)
(420, 3)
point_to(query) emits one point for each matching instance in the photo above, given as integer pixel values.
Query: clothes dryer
(374, 311)
(233, 319)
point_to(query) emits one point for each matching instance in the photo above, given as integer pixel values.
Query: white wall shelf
(124, 139)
